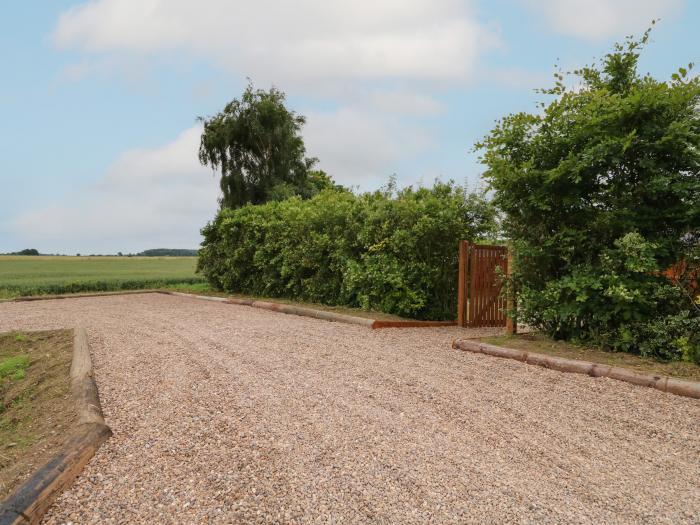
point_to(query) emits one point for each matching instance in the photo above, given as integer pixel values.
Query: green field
(22, 275)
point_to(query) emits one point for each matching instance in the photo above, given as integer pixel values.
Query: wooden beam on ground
(671, 385)
(32, 499)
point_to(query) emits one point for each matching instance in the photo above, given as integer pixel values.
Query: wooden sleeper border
(575, 366)
(32, 499)
(317, 314)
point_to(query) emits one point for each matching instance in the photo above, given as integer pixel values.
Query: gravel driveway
(230, 414)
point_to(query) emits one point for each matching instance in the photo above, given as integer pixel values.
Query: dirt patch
(37, 411)
(535, 342)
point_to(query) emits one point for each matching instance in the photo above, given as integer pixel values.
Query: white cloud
(360, 147)
(148, 198)
(374, 62)
(404, 102)
(305, 41)
(599, 19)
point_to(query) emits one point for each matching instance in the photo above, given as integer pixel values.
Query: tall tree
(256, 142)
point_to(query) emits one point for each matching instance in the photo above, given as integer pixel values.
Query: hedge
(600, 189)
(394, 252)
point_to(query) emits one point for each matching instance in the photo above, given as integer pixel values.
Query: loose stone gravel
(230, 414)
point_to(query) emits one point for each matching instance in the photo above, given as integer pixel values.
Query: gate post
(511, 320)
(462, 285)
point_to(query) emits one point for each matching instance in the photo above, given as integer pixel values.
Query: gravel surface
(230, 414)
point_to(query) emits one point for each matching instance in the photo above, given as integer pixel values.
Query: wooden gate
(480, 302)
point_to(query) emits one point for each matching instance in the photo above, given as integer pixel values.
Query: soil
(37, 411)
(535, 342)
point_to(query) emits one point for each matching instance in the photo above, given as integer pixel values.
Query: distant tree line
(28, 251)
(155, 252)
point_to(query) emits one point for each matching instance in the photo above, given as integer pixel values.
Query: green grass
(36, 410)
(14, 367)
(46, 275)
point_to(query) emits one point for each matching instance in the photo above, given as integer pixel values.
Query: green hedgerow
(392, 251)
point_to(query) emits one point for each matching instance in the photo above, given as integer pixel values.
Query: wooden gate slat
(480, 303)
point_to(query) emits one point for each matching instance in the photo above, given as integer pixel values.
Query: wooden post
(511, 318)
(462, 284)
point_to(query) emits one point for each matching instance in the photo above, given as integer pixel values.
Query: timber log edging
(30, 501)
(317, 314)
(672, 385)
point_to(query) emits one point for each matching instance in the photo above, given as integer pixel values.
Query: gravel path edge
(31, 298)
(319, 314)
(33, 498)
(265, 305)
(671, 385)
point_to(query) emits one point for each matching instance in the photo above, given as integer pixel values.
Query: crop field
(22, 275)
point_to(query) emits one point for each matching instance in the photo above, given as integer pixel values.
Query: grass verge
(535, 342)
(37, 410)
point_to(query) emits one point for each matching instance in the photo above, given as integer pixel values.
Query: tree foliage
(392, 251)
(601, 194)
(256, 142)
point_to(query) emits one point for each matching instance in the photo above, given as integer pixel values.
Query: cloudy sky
(98, 144)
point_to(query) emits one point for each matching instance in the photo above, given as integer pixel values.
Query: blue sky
(98, 144)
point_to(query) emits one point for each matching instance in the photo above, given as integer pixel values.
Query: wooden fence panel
(480, 303)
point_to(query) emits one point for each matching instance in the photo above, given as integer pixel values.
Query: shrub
(601, 194)
(390, 251)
